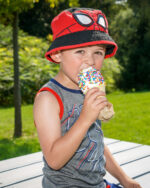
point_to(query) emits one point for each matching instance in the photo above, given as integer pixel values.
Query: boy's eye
(80, 51)
(99, 53)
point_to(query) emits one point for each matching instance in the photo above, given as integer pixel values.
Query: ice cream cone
(108, 112)
(90, 78)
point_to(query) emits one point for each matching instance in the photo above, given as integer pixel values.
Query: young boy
(69, 133)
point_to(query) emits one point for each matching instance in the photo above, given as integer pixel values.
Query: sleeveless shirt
(86, 168)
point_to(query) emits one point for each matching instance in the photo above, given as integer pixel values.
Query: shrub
(35, 70)
(111, 73)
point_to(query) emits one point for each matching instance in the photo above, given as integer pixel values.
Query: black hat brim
(80, 39)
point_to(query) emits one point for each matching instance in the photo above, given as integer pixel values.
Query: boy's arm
(115, 170)
(58, 149)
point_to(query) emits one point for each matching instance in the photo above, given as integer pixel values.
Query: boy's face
(72, 61)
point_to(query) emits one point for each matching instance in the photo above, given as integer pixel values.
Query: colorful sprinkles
(89, 76)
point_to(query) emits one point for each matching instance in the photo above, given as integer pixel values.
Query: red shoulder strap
(57, 97)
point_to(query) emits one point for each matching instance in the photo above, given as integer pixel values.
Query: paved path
(26, 171)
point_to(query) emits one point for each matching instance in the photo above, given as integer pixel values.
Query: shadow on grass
(16, 147)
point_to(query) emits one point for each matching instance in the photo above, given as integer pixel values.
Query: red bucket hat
(78, 27)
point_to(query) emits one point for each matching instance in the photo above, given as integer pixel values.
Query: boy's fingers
(96, 97)
(102, 102)
(95, 90)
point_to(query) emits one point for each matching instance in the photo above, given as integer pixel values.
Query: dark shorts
(111, 185)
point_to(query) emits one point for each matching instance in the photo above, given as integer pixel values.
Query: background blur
(25, 36)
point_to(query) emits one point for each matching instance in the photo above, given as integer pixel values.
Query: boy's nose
(89, 60)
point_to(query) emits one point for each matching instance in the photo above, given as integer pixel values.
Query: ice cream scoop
(89, 78)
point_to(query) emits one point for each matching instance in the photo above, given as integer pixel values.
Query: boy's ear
(56, 56)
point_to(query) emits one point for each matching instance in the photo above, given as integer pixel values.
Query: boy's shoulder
(49, 97)
(46, 100)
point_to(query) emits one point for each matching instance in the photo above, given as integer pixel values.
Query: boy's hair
(79, 27)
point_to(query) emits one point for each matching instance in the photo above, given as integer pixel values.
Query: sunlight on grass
(28, 143)
(132, 119)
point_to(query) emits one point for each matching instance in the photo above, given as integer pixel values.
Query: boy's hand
(130, 183)
(93, 104)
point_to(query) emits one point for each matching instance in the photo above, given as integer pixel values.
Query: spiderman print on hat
(78, 27)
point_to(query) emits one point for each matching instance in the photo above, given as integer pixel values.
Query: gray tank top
(87, 166)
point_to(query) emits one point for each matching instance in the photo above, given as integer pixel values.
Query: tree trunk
(17, 91)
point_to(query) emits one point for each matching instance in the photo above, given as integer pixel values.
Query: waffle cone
(108, 112)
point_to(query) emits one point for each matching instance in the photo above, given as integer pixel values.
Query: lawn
(131, 123)
(28, 143)
(132, 117)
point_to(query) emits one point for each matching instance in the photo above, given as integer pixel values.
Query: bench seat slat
(133, 154)
(122, 146)
(32, 183)
(26, 171)
(20, 174)
(135, 169)
(20, 161)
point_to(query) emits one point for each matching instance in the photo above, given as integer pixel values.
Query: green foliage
(35, 70)
(111, 71)
(9, 7)
(36, 21)
(57, 3)
(131, 30)
(124, 35)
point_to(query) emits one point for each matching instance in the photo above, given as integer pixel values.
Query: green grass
(131, 123)
(28, 143)
(132, 117)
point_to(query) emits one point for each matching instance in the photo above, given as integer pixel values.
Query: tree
(9, 15)
(140, 56)
(41, 15)
(9, 11)
(131, 30)
(34, 68)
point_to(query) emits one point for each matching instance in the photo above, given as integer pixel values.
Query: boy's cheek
(99, 65)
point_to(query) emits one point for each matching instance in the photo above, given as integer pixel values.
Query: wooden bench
(26, 171)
